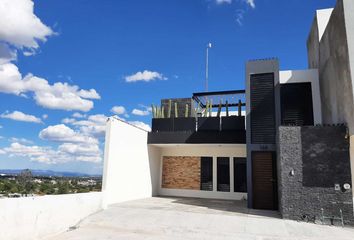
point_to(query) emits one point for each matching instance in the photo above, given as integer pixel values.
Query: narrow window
(206, 174)
(240, 174)
(223, 176)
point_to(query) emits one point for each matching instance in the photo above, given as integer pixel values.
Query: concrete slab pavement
(183, 218)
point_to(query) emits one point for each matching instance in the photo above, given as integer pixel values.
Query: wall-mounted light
(292, 172)
(347, 133)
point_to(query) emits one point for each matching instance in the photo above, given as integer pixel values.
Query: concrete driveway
(183, 218)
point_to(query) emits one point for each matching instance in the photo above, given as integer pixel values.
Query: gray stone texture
(319, 159)
(181, 106)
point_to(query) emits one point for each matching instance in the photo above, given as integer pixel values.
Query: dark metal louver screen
(296, 104)
(262, 108)
(206, 174)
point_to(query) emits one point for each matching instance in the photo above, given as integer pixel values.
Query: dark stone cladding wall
(319, 156)
(181, 106)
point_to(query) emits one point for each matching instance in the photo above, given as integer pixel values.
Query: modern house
(285, 142)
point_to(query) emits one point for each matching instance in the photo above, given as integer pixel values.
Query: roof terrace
(208, 117)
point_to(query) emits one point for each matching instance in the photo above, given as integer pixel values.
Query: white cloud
(57, 96)
(68, 120)
(89, 94)
(98, 118)
(140, 112)
(223, 1)
(20, 140)
(94, 159)
(62, 133)
(83, 152)
(29, 53)
(145, 76)
(74, 145)
(67, 152)
(93, 125)
(1, 127)
(251, 3)
(119, 110)
(19, 25)
(21, 29)
(78, 115)
(239, 16)
(6, 54)
(20, 116)
(34, 153)
(141, 125)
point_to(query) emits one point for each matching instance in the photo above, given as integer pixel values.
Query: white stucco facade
(34, 218)
(128, 172)
(311, 76)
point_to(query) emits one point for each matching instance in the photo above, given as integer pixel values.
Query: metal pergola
(232, 98)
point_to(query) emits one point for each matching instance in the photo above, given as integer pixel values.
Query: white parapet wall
(130, 169)
(34, 218)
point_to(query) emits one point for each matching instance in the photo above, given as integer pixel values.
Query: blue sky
(65, 65)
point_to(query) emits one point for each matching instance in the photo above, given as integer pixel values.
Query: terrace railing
(195, 124)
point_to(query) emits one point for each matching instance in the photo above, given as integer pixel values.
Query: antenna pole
(207, 67)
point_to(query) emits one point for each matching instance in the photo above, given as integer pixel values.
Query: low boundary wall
(34, 218)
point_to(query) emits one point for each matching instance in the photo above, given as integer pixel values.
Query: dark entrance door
(264, 181)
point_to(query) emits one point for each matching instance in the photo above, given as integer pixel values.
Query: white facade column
(232, 187)
(351, 149)
(215, 174)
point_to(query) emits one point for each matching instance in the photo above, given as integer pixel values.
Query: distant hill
(47, 173)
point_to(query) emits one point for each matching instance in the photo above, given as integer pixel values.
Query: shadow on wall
(154, 154)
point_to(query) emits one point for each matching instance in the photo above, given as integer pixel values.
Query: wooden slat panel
(264, 184)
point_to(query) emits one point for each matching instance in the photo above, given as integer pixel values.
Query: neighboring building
(331, 51)
(283, 143)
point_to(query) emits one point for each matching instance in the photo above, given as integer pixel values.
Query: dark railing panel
(204, 124)
(184, 124)
(232, 123)
(208, 124)
(200, 137)
(162, 125)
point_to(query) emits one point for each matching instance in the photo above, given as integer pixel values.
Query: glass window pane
(223, 170)
(206, 174)
(240, 175)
